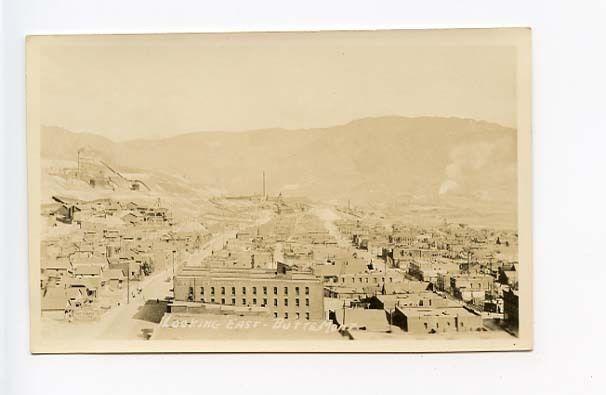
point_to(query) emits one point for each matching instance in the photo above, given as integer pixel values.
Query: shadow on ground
(151, 311)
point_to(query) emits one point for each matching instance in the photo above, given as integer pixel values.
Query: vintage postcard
(337, 191)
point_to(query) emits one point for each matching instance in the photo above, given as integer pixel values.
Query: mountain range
(424, 160)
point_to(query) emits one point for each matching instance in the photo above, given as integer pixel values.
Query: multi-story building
(471, 287)
(370, 279)
(429, 270)
(284, 293)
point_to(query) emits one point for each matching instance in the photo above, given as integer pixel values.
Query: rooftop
(434, 312)
(235, 273)
(370, 320)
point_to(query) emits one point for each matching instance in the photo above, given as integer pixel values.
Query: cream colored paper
(131, 89)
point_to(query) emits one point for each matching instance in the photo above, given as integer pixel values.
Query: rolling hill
(427, 160)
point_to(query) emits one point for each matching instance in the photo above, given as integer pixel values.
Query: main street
(328, 215)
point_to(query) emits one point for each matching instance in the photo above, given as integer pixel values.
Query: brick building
(285, 294)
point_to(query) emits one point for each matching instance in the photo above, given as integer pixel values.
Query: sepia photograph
(321, 191)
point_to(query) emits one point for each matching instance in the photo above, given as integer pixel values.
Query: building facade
(289, 295)
(437, 320)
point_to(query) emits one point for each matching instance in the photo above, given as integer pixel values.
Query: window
(297, 302)
(391, 279)
(360, 279)
(275, 290)
(254, 301)
(233, 290)
(212, 300)
(243, 290)
(307, 316)
(421, 303)
(285, 290)
(233, 301)
(285, 316)
(306, 290)
(202, 291)
(264, 302)
(212, 290)
(297, 291)
(425, 325)
(275, 315)
(264, 290)
(307, 302)
(222, 300)
(366, 280)
(222, 290)
(285, 302)
(297, 316)
(275, 302)
(244, 301)
(202, 300)
(254, 290)
(343, 279)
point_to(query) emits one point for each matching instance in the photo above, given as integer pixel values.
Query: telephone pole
(128, 283)
(79, 161)
(263, 184)
(174, 264)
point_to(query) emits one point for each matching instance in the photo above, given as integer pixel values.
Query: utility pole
(128, 283)
(79, 162)
(263, 184)
(193, 296)
(174, 265)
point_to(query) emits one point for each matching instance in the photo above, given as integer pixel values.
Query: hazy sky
(155, 86)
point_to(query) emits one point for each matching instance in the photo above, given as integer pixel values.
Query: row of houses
(100, 250)
(472, 266)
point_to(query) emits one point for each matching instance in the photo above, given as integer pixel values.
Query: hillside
(443, 161)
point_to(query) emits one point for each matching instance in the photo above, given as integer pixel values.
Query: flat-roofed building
(286, 294)
(370, 278)
(429, 270)
(471, 287)
(414, 299)
(419, 320)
